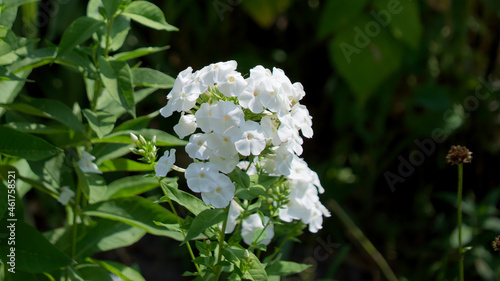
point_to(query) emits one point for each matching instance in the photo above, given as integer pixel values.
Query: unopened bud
(246, 254)
(134, 138)
(142, 140)
(153, 141)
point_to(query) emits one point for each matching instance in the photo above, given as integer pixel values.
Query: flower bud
(142, 140)
(134, 138)
(246, 254)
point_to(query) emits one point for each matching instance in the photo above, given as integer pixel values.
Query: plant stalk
(363, 241)
(459, 215)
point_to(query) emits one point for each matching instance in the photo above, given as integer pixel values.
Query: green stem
(459, 215)
(363, 241)
(222, 237)
(74, 227)
(108, 36)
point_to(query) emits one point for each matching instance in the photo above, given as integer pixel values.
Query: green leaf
(48, 108)
(286, 268)
(117, 78)
(162, 138)
(101, 122)
(239, 177)
(203, 221)
(29, 147)
(130, 186)
(14, 4)
(264, 12)
(147, 77)
(187, 200)
(135, 211)
(371, 56)
(122, 164)
(111, 6)
(78, 32)
(235, 254)
(10, 89)
(124, 272)
(138, 53)
(35, 128)
(403, 19)
(337, 14)
(137, 123)
(33, 252)
(97, 188)
(101, 235)
(251, 193)
(148, 14)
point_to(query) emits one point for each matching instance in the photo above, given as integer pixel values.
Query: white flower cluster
(259, 116)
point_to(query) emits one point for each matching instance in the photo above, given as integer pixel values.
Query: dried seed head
(496, 244)
(458, 155)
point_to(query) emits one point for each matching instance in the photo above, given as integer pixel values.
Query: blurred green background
(380, 77)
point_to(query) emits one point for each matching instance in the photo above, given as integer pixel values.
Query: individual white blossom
(165, 163)
(225, 164)
(87, 165)
(186, 126)
(221, 194)
(253, 224)
(202, 177)
(249, 138)
(197, 147)
(226, 115)
(65, 195)
(232, 85)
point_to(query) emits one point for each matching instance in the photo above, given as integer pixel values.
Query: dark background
(429, 68)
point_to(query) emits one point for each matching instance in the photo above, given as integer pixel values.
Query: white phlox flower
(165, 163)
(186, 126)
(226, 115)
(221, 194)
(225, 164)
(65, 195)
(197, 147)
(202, 177)
(250, 139)
(232, 85)
(253, 224)
(87, 165)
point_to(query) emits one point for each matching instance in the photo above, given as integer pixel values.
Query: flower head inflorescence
(229, 119)
(458, 155)
(496, 244)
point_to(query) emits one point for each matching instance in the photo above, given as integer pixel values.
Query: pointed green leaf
(135, 211)
(78, 32)
(137, 53)
(286, 268)
(124, 272)
(239, 177)
(48, 108)
(117, 78)
(122, 164)
(10, 89)
(203, 221)
(147, 77)
(130, 186)
(148, 14)
(371, 57)
(32, 250)
(29, 147)
(194, 204)
(101, 122)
